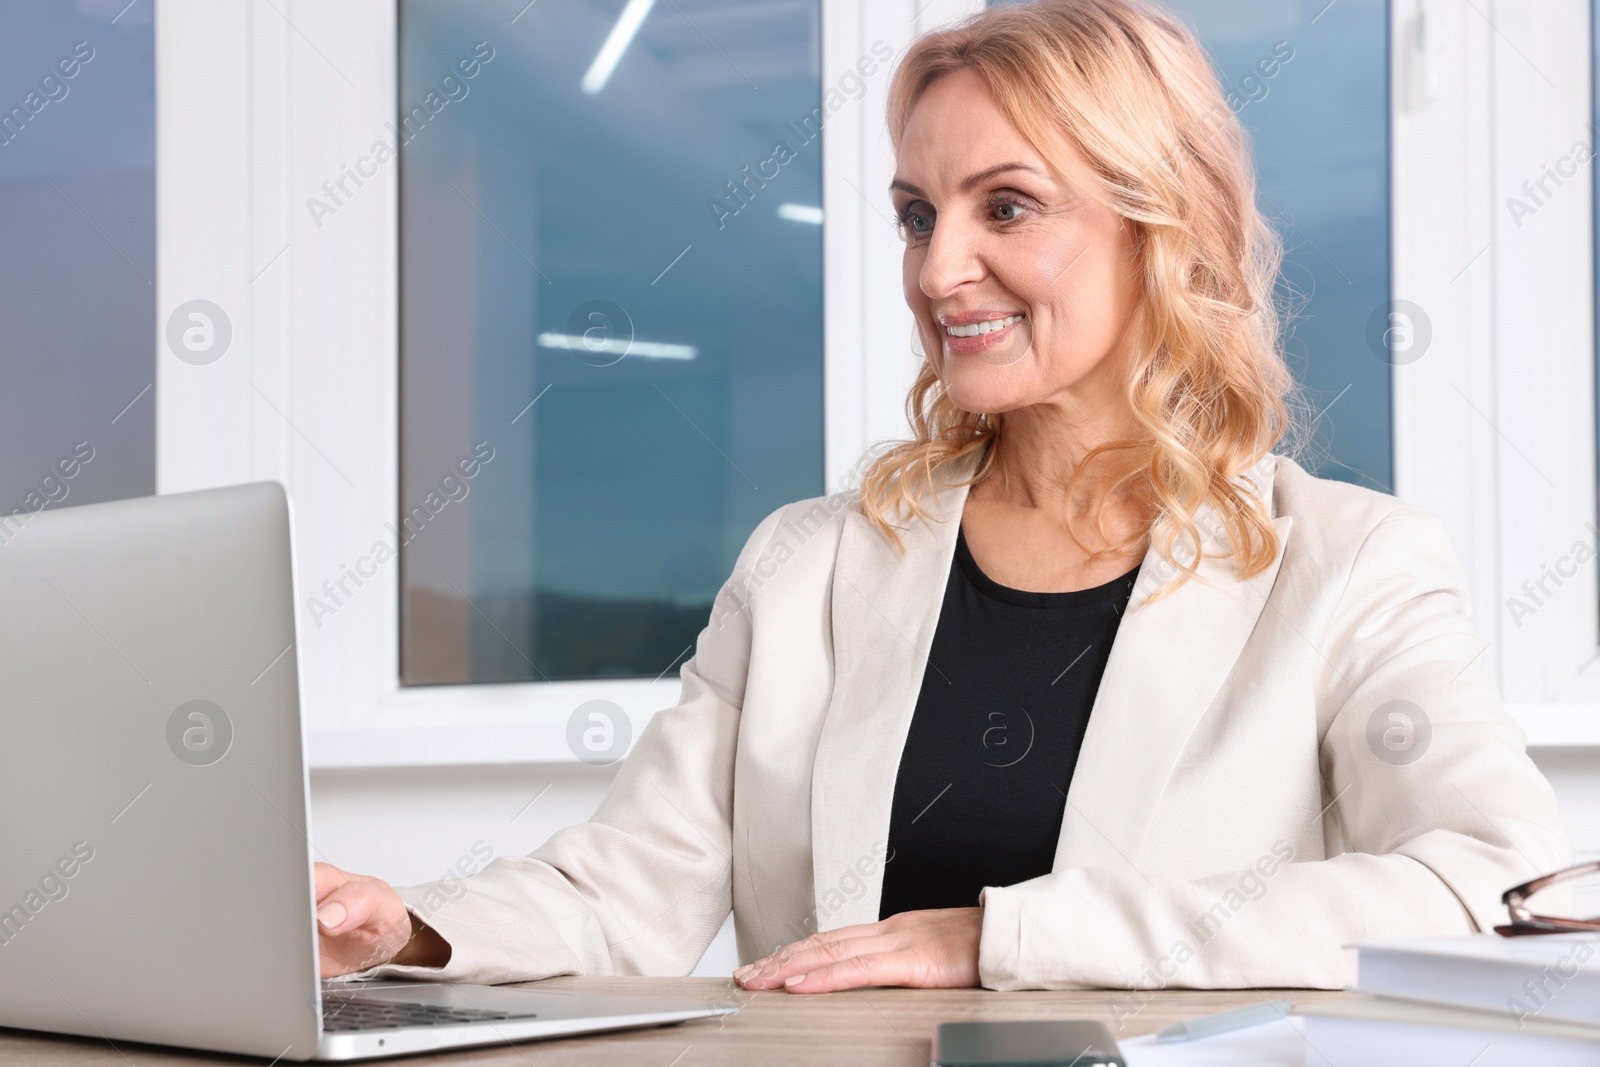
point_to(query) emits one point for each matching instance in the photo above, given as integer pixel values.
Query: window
(610, 315)
(77, 265)
(1493, 427)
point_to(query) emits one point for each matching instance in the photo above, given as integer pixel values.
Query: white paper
(1279, 1043)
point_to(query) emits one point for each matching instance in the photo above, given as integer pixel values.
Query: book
(1388, 1032)
(1546, 977)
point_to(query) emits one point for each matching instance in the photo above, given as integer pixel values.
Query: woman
(884, 760)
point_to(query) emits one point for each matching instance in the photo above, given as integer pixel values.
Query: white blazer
(1246, 802)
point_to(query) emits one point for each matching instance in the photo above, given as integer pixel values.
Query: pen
(1207, 1025)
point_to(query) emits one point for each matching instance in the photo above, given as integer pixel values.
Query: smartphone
(1026, 1043)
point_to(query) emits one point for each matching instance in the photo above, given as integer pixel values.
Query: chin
(981, 397)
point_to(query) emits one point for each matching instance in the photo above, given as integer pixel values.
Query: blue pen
(1207, 1025)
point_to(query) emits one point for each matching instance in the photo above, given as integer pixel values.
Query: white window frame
(258, 104)
(1495, 424)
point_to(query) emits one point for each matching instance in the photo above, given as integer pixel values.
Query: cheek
(911, 263)
(1050, 269)
(1081, 296)
(917, 301)
(908, 281)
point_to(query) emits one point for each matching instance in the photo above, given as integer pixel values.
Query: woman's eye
(915, 222)
(1009, 210)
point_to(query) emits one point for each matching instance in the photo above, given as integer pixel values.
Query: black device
(1026, 1043)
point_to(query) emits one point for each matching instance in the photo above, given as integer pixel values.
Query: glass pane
(77, 259)
(1320, 122)
(611, 289)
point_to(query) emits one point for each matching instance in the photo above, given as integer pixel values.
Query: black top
(1004, 704)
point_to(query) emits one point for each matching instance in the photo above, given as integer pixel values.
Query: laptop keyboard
(354, 1013)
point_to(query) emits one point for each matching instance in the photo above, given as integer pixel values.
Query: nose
(950, 261)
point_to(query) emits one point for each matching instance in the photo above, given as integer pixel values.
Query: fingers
(776, 965)
(770, 971)
(327, 878)
(359, 947)
(348, 907)
(784, 967)
(854, 972)
(361, 922)
(933, 948)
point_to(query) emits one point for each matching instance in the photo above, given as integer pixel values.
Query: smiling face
(1024, 289)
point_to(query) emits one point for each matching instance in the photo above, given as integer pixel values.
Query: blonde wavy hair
(1128, 86)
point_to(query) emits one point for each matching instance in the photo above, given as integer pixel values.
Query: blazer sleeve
(1426, 839)
(644, 885)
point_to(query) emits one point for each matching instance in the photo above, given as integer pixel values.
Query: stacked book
(1483, 1000)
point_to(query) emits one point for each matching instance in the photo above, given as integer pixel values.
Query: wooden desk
(860, 1028)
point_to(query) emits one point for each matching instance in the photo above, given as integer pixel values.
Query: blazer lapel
(885, 609)
(1167, 664)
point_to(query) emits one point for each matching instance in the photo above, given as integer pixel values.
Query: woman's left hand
(929, 949)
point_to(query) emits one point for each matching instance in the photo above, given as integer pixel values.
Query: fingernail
(794, 979)
(331, 915)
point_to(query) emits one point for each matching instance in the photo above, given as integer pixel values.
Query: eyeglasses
(1568, 886)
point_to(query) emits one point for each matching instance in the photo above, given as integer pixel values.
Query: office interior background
(633, 266)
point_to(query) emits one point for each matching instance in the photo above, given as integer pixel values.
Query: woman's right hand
(362, 922)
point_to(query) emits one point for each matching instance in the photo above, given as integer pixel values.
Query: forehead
(956, 128)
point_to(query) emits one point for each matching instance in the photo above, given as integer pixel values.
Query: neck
(1038, 454)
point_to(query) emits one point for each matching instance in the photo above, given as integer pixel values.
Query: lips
(970, 332)
(973, 329)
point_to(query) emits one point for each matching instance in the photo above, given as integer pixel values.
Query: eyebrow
(967, 184)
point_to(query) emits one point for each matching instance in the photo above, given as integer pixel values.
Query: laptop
(155, 863)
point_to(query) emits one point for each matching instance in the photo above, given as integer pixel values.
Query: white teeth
(976, 328)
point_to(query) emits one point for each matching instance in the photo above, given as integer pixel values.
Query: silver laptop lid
(155, 874)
